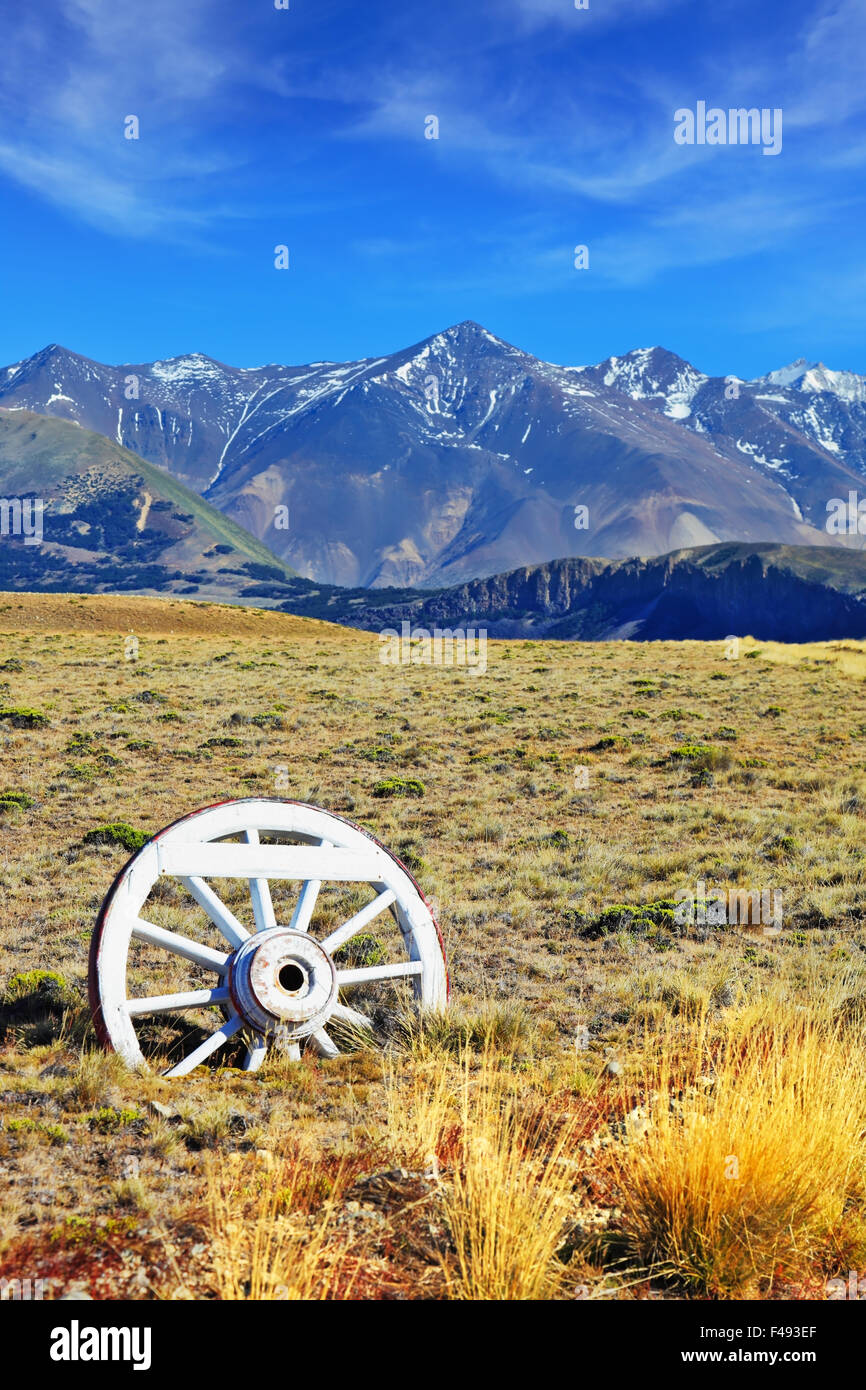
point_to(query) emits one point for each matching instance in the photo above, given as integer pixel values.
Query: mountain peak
(469, 332)
(654, 373)
(53, 350)
(813, 377)
(785, 376)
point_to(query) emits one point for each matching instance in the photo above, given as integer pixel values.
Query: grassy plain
(615, 1106)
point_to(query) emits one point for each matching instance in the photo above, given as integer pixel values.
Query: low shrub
(20, 717)
(399, 786)
(117, 833)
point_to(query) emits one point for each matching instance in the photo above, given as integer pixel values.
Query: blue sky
(305, 127)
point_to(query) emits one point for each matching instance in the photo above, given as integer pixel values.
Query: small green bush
(363, 949)
(378, 753)
(81, 742)
(29, 982)
(22, 718)
(12, 800)
(108, 1119)
(700, 757)
(399, 786)
(271, 719)
(413, 861)
(117, 833)
(83, 772)
(653, 920)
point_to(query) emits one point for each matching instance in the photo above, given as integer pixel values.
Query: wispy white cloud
(597, 134)
(826, 69)
(66, 87)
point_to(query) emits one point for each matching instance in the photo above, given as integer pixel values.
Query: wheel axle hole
(291, 978)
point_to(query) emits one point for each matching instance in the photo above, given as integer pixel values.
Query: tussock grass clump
(205, 1127)
(754, 1166)
(512, 1166)
(96, 1081)
(495, 1025)
(505, 1208)
(265, 1243)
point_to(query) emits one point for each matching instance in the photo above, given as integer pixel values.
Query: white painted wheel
(179, 966)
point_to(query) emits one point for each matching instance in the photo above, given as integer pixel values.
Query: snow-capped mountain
(464, 456)
(827, 408)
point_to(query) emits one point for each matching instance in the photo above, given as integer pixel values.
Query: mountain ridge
(772, 592)
(463, 455)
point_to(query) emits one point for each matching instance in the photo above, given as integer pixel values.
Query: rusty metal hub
(281, 980)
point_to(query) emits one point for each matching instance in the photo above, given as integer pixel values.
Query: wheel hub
(282, 981)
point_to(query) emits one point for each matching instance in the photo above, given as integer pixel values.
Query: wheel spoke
(355, 924)
(324, 1044)
(260, 892)
(287, 1048)
(306, 903)
(353, 1017)
(378, 972)
(164, 1003)
(216, 910)
(180, 946)
(205, 1049)
(255, 1054)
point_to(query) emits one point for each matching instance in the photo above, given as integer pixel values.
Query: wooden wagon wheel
(278, 979)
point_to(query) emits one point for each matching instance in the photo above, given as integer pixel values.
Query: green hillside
(111, 520)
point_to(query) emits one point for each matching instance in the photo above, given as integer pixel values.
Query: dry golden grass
(265, 1245)
(520, 855)
(509, 1194)
(754, 1163)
